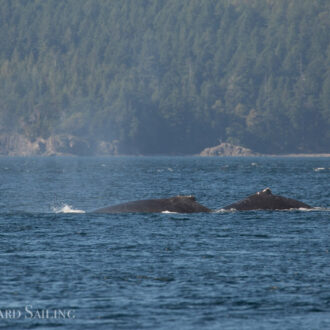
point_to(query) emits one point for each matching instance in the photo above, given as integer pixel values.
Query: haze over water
(228, 270)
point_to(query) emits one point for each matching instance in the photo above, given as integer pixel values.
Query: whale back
(178, 204)
(265, 200)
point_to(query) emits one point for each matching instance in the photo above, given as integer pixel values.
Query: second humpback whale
(178, 204)
(265, 200)
(262, 200)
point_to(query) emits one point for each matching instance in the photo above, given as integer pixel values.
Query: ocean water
(63, 267)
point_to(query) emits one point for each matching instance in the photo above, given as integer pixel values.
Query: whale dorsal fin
(267, 191)
(191, 197)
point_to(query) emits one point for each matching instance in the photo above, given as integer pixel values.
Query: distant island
(152, 77)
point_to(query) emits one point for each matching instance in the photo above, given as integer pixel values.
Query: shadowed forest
(168, 76)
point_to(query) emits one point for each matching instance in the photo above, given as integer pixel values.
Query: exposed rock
(227, 149)
(67, 145)
(107, 148)
(17, 145)
(56, 145)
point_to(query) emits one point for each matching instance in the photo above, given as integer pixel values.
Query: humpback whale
(262, 200)
(265, 200)
(178, 204)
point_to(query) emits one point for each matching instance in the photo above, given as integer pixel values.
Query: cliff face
(14, 145)
(56, 145)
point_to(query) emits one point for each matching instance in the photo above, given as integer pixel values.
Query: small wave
(313, 209)
(160, 170)
(67, 209)
(169, 212)
(318, 169)
(302, 209)
(225, 210)
(316, 208)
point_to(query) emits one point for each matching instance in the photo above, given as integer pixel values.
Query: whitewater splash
(225, 211)
(67, 209)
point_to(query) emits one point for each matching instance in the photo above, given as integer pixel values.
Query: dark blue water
(226, 270)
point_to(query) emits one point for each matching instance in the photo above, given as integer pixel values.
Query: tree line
(168, 76)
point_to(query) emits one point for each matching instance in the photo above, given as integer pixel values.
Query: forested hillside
(168, 76)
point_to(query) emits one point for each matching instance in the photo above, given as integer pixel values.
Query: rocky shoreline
(70, 145)
(56, 145)
(227, 149)
(302, 155)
